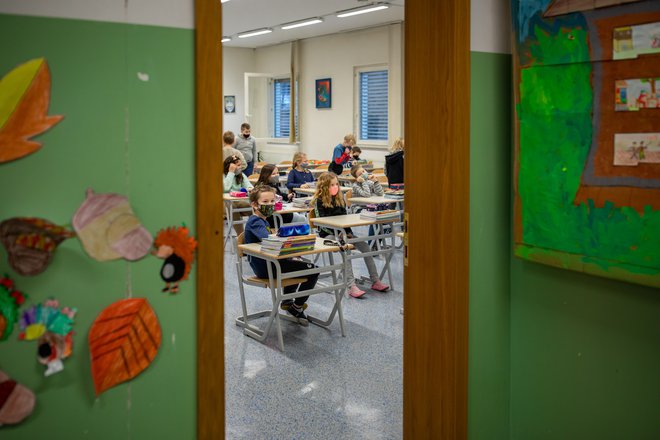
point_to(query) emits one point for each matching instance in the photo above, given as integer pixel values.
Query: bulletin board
(587, 136)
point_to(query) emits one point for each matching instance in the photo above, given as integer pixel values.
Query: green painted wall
(554, 354)
(95, 86)
(585, 356)
(490, 242)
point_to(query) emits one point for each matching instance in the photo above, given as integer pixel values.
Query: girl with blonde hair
(327, 202)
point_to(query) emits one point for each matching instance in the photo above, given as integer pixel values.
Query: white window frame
(356, 104)
(271, 103)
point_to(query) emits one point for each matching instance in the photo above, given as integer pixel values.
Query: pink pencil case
(278, 206)
(237, 194)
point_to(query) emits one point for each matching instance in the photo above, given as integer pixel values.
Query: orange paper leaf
(24, 100)
(123, 341)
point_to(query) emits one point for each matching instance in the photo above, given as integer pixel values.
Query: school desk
(339, 223)
(275, 282)
(230, 208)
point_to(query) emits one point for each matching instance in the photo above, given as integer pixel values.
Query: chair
(382, 179)
(243, 321)
(378, 171)
(347, 195)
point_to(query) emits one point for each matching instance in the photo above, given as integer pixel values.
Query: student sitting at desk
(270, 176)
(328, 202)
(262, 200)
(365, 185)
(299, 176)
(234, 180)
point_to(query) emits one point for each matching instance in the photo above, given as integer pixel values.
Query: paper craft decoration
(16, 401)
(52, 328)
(587, 195)
(10, 301)
(108, 228)
(24, 100)
(123, 341)
(177, 248)
(31, 243)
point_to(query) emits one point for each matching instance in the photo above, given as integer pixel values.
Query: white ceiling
(239, 16)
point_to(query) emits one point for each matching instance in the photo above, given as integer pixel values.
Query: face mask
(334, 190)
(365, 176)
(246, 136)
(356, 157)
(266, 210)
(305, 165)
(274, 180)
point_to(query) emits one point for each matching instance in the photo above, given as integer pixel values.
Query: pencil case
(293, 230)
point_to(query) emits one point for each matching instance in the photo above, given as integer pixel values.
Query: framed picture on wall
(230, 104)
(324, 93)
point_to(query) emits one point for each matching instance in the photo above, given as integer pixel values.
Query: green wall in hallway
(95, 86)
(490, 158)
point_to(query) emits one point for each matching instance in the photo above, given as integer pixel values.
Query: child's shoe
(299, 313)
(284, 305)
(379, 286)
(355, 291)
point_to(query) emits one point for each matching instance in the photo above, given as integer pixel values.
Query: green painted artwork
(573, 208)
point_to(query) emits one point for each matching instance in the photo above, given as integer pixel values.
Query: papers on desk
(275, 245)
(301, 202)
(388, 214)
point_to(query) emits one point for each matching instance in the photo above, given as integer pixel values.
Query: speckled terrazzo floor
(324, 386)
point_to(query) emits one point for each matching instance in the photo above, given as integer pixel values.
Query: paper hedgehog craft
(52, 328)
(16, 401)
(108, 229)
(10, 300)
(31, 243)
(177, 248)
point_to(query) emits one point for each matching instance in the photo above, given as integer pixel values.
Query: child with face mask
(247, 145)
(262, 200)
(299, 176)
(365, 185)
(342, 154)
(269, 176)
(327, 202)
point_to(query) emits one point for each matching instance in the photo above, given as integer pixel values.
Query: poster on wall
(587, 176)
(230, 104)
(324, 93)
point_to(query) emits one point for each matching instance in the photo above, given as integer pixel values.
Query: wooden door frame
(437, 122)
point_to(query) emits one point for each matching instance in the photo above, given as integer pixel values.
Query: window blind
(282, 107)
(373, 105)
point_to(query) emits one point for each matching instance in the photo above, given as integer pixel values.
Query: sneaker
(299, 313)
(379, 286)
(284, 305)
(355, 291)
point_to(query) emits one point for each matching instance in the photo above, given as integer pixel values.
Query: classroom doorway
(435, 343)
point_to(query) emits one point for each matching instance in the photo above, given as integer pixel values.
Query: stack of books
(275, 245)
(388, 214)
(394, 194)
(301, 202)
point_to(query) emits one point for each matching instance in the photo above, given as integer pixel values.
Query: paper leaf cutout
(24, 100)
(123, 341)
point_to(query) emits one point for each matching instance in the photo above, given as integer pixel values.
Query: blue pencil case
(293, 230)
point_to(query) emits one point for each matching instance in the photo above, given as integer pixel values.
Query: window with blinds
(373, 105)
(282, 107)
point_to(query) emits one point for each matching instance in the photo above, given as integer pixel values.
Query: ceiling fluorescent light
(255, 33)
(302, 23)
(362, 10)
(225, 39)
(224, 1)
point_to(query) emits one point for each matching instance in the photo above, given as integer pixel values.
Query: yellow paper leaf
(24, 100)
